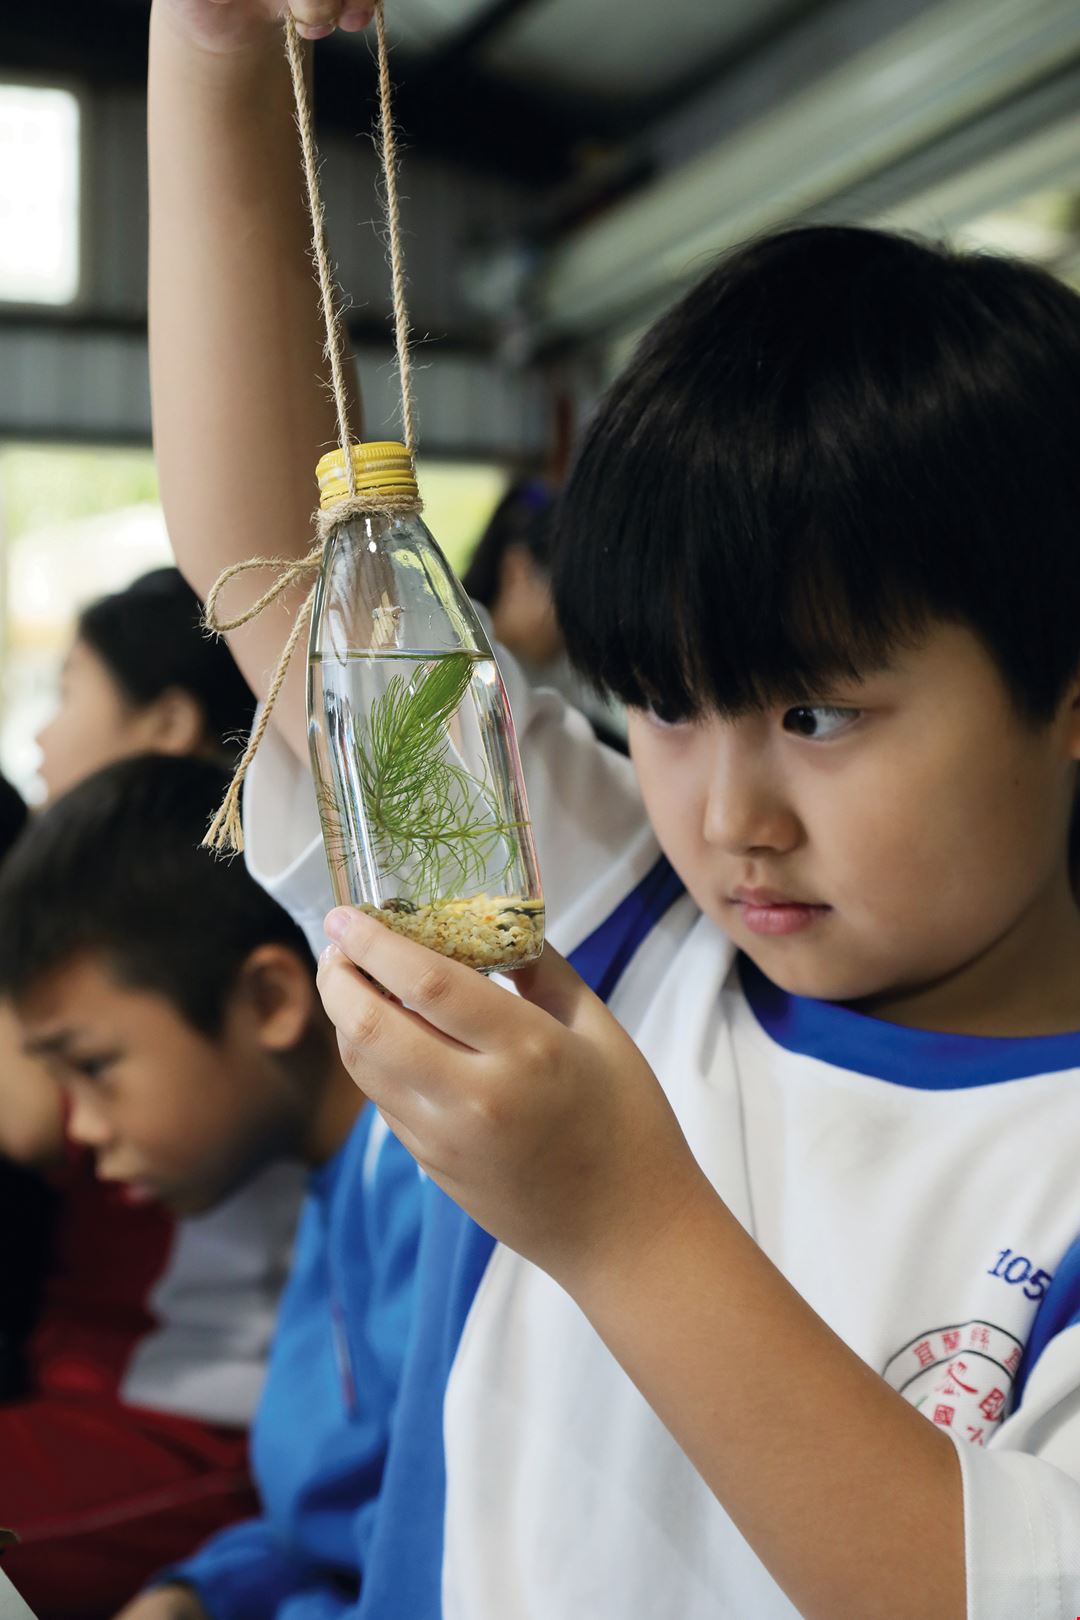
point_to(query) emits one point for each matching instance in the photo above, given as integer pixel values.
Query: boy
(175, 1003)
(124, 1431)
(138, 1374)
(817, 1246)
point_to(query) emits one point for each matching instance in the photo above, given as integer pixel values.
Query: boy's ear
(519, 567)
(174, 723)
(278, 994)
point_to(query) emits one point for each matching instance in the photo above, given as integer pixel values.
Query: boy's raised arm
(240, 414)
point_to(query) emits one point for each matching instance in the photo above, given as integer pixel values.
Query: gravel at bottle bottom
(492, 933)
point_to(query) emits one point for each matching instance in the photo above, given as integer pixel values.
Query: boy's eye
(818, 721)
(91, 1068)
(663, 718)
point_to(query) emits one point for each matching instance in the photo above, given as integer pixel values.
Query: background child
(175, 1004)
(144, 1359)
(812, 1351)
(509, 573)
(141, 677)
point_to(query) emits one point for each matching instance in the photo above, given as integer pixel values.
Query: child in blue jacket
(174, 1001)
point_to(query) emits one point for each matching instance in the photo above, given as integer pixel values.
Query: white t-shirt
(919, 1191)
(214, 1304)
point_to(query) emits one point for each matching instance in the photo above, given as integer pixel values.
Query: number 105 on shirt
(1016, 1269)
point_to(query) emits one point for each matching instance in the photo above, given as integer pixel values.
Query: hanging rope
(388, 153)
(225, 832)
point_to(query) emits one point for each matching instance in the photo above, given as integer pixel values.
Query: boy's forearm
(240, 415)
(848, 1495)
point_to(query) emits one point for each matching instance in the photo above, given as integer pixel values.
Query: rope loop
(225, 833)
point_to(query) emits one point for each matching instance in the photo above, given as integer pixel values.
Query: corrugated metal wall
(81, 373)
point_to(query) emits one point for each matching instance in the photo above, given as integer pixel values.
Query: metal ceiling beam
(468, 39)
(464, 114)
(764, 33)
(104, 43)
(1031, 145)
(953, 62)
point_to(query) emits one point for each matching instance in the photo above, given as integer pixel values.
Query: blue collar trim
(907, 1057)
(604, 956)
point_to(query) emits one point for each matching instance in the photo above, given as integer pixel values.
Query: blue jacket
(320, 1435)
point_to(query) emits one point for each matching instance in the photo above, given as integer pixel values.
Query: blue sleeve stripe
(1060, 1309)
(603, 958)
(404, 1567)
(378, 1132)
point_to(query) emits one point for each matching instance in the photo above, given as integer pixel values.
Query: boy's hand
(227, 25)
(165, 1603)
(535, 1112)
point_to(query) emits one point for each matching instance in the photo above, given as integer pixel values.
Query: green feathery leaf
(428, 819)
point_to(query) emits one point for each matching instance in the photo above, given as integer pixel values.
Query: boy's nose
(86, 1125)
(745, 810)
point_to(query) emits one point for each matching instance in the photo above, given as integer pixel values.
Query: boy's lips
(133, 1189)
(768, 911)
(138, 1192)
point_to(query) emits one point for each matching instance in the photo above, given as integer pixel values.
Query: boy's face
(177, 1115)
(93, 725)
(903, 841)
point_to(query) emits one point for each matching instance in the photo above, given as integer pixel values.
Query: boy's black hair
(837, 437)
(13, 815)
(114, 868)
(522, 518)
(150, 637)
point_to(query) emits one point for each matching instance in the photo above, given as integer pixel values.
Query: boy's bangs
(836, 438)
(747, 626)
(739, 529)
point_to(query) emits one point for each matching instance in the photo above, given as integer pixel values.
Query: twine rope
(225, 833)
(388, 152)
(334, 342)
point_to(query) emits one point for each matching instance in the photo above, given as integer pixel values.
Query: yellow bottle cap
(383, 465)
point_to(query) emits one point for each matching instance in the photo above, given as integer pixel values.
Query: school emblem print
(960, 1376)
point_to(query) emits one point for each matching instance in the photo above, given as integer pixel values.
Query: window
(39, 195)
(76, 523)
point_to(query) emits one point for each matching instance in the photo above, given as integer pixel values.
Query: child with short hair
(139, 676)
(174, 1002)
(129, 1373)
(783, 1316)
(142, 677)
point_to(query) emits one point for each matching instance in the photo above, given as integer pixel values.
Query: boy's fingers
(387, 1049)
(451, 997)
(316, 18)
(353, 18)
(315, 13)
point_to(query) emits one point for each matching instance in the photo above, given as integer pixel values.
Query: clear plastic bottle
(416, 765)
